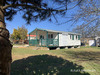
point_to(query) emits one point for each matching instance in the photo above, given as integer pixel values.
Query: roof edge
(54, 31)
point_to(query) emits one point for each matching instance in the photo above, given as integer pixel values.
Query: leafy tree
(15, 35)
(22, 32)
(19, 34)
(33, 10)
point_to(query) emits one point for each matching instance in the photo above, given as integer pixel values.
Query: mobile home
(52, 38)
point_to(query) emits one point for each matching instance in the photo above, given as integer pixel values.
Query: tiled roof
(31, 35)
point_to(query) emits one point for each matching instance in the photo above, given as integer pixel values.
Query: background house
(95, 41)
(51, 38)
(31, 37)
(85, 41)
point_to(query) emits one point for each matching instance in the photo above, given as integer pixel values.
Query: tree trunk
(5, 46)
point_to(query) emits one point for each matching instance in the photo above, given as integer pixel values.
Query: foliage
(35, 10)
(15, 34)
(20, 33)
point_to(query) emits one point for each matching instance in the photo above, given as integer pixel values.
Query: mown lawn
(82, 61)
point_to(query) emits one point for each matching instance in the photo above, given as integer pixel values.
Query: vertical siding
(64, 40)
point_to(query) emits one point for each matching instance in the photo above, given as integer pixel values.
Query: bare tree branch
(55, 17)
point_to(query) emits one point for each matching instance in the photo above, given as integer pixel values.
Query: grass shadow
(45, 65)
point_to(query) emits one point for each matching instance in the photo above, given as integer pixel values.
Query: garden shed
(52, 38)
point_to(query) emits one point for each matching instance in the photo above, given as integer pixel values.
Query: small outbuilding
(97, 40)
(52, 38)
(92, 42)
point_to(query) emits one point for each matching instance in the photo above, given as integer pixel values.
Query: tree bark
(5, 46)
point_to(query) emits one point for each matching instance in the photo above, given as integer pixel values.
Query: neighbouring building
(86, 40)
(31, 37)
(97, 38)
(52, 38)
(95, 41)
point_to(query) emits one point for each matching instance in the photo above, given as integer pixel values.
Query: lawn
(78, 61)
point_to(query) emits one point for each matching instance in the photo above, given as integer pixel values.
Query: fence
(44, 42)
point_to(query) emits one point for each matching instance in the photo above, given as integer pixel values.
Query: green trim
(44, 42)
(36, 37)
(78, 37)
(41, 29)
(72, 37)
(41, 42)
(29, 36)
(53, 30)
(36, 34)
(29, 39)
(33, 42)
(33, 30)
(37, 29)
(47, 38)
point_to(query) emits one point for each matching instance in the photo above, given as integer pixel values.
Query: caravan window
(76, 36)
(70, 36)
(41, 37)
(50, 36)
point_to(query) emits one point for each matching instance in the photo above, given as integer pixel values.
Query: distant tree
(19, 34)
(22, 32)
(86, 31)
(15, 35)
(81, 30)
(88, 13)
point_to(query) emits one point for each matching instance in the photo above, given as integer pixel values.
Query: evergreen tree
(33, 10)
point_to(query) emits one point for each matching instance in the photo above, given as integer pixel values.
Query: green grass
(27, 61)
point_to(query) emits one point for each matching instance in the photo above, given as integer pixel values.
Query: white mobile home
(51, 38)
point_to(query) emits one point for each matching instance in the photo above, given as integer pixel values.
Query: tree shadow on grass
(45, 65)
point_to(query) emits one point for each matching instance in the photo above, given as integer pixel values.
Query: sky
(18, 22)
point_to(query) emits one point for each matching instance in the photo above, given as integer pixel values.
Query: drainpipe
(29, 39)
(36, 37)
